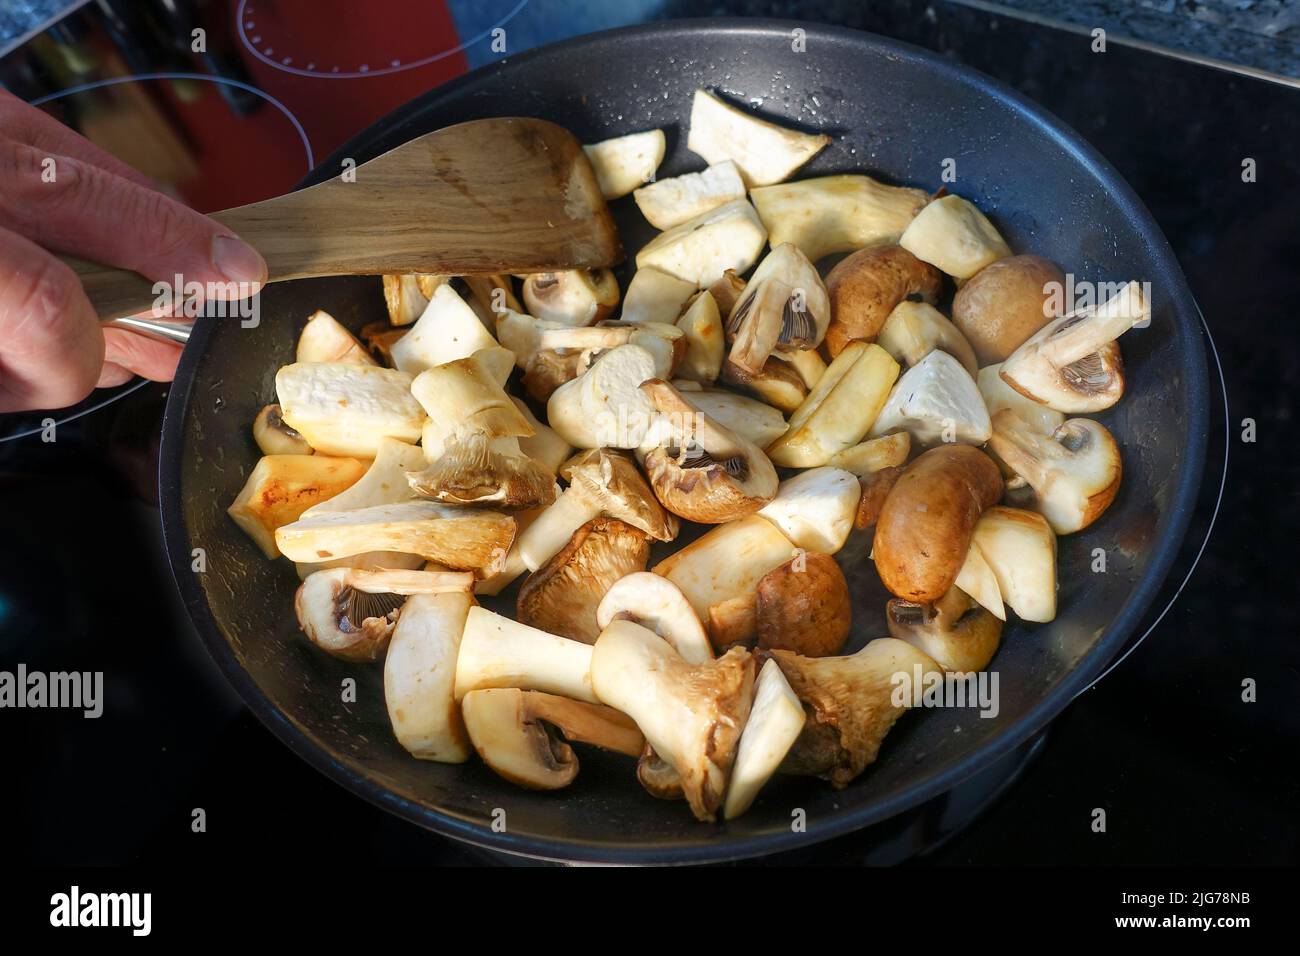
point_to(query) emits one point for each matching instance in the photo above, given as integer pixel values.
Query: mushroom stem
(544, 538)
(390, 581)
(1082, 333)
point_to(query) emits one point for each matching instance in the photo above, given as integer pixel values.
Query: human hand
(59, 193)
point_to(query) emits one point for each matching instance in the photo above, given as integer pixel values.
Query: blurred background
(226, 102)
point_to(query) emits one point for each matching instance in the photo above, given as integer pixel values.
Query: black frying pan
(895, 112)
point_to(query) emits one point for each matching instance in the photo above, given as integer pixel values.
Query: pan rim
(714, 845)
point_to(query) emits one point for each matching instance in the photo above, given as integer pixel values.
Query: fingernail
(237, 260)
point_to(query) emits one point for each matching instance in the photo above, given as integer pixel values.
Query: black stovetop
(1186, 770)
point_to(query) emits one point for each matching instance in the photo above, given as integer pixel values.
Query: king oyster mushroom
(701, 324)
(447, 330)
(655, 296)
(671, 202)
(523, 735)
(654, 602)
(953, 235)
(778, 383)
(849, 705)
(1021, 549)
(496, 651)
(815, 508)
(784, 306)
(691, 714)
(764, 152)
(1075, 472)
(573, 298)
(998, 395)
(708, 474)
(562, 595)
(775, 721)
(342, 409)
(1073, 364)
(406, 296)
(955, 631)
(700, 250)
(349, 612)
(281, 488)
(623, 163)
(323, 339)
(915, 329)
(601, 483)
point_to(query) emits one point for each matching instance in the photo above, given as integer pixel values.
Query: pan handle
(161, 329)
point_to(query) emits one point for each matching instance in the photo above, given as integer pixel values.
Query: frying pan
(894, 112)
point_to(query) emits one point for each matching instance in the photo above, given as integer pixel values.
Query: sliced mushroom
(865, 288)
(849, 705)
(655, 296)
(936, 400)
(953, 235)
(719, 574)
(700, 250)
(874, 455)
(959, 634)
(803, 606)
(492, 296)
(709, 473)
(815, 508)
(666, 342)
(840, 410)
(776, 383)
(379, 338)
(775, 721)
(574, 298)
(496, 651)
(785, 305)
(350, 612)
(623, 163)
(323, 339)
(346, 409)
(727, 291)
(1073, 364)
(447, 330)
(671, 202)
(977, 580)
(702, 325)
(998, 395)
(807, 362)
(748, 417)
(1021, 549)
(280, 488)
(654, 602)
(368, 560)
(544, 446)
(915, 329)
(600, 483)
(475, 469)
(1075, 473)
(406, 297)
(764, 152)
(927, 522)
(562, 595)
(547, 369)
(420, 674)
(274, 437)
(605, 407)
(522, 335)
(836, 213)
(691, 714)
(384, 482)
(463, 538)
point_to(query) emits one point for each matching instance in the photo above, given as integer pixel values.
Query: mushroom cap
(573, 297)
(526, 751)
(474, 469)
(1005, 303)
(803, 606)
(960, 635)
(613, 481)
(563, 594)
(865, 286)
(656, 603)
(343, 621)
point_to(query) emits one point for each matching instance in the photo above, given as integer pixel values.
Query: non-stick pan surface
(895, 112)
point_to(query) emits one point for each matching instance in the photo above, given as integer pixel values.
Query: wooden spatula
(489, 196)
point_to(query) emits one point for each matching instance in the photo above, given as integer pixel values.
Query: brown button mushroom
(875, 490)
(925, 527)
(562, 595)
(803, 606)
(866, 286)
(1005, 303)
(959, 634)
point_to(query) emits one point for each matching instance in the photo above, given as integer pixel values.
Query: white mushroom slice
(691, 714)
(346, 409)
(671, 202)
(384, 482)
(705, 343)
(915, 329)
(522, 334)
(496, 651)
(721, 570)
(955, 237)
(998, 395)
(934, 401)
(605, 407)
(406, 296)
(600, 483)
(544, 446)
(836, 213)
(577, 297)
(815, 508)
(1073, 364)
(655, 296)
(776, 383)
(840, 410)
(874, 455)
(491, 296)
(1021, 549)
(785, 297)
(764, 152)
(466, 394)
(281, 488)
(700, 250)
(371, 560)
(447, 330)
(323, 339)
(463, 538)
(274, 437)
(420, 675)
(749, 418)
(626, 162)
(977, 579)
(656, 603)
(807, 362)
(666, 342)
(1075, 473)
(775, 722)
